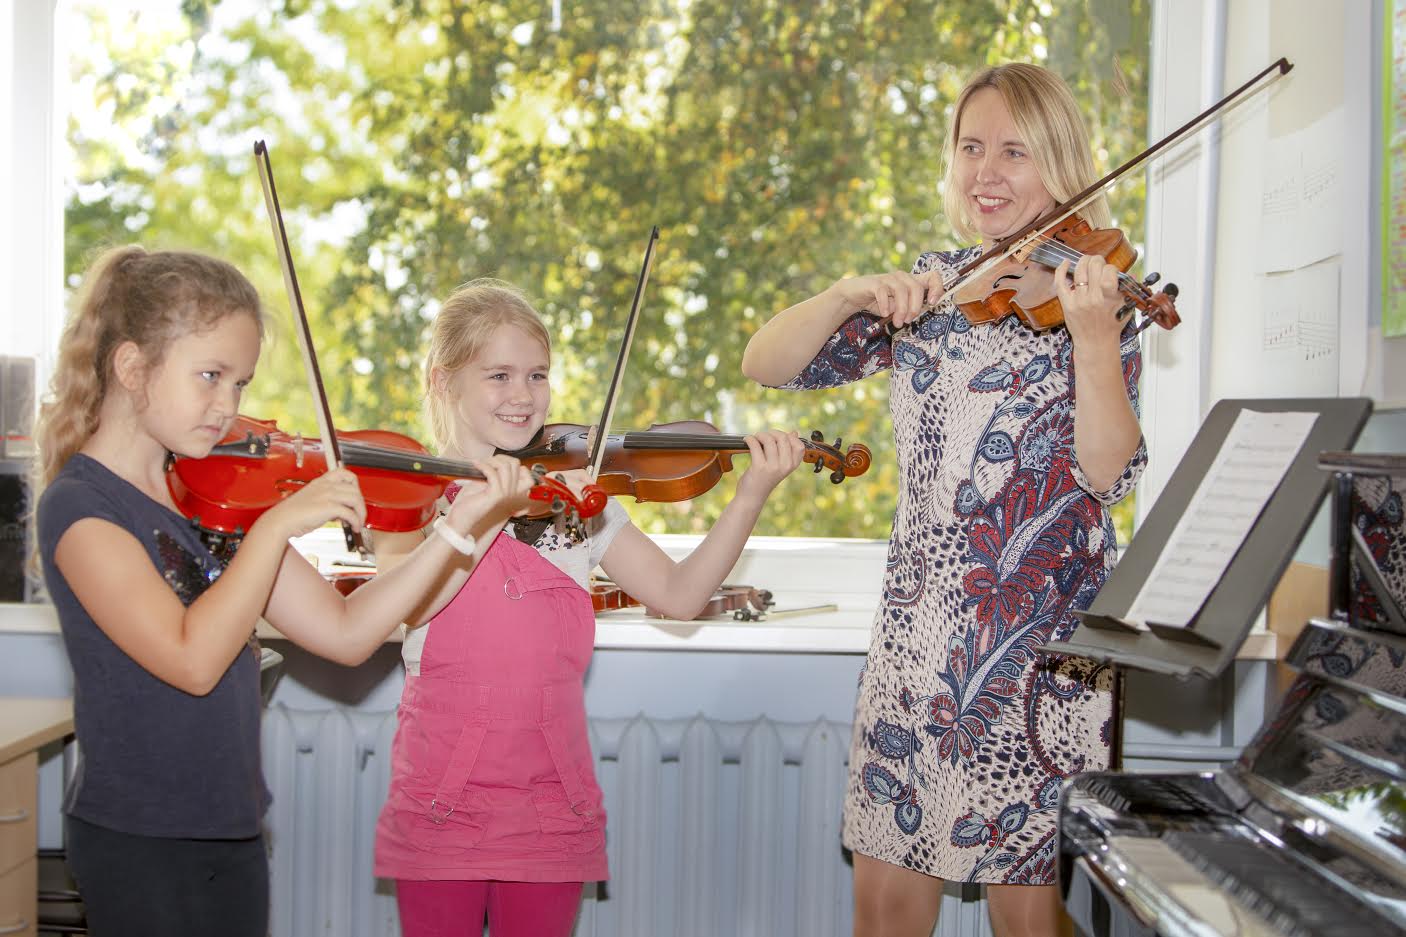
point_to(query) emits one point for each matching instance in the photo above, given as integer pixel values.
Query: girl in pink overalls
(493, 806)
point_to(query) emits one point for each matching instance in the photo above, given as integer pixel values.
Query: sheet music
(1250, 465)
(1299, 353)
(1301, 196)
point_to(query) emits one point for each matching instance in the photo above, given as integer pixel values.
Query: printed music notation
(1249, 467)
(1301, 199)
(1300, 332)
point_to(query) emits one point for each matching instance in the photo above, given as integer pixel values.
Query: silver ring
(512, 581)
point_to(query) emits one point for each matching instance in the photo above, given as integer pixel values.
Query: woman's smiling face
(1001, 189)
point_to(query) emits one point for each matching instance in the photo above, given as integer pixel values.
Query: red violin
(257, 465)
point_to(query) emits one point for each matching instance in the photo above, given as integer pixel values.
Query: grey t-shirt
(153, 760)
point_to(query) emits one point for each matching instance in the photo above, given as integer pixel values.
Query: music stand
(1210, 641)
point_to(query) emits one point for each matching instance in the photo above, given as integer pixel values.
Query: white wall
(1332, 46)
(1205, 217)
(31, 177)
(1182, 183)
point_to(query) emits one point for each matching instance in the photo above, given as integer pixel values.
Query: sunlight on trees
(778, 145)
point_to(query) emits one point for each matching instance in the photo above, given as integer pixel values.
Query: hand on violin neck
(774, 455)
(1088, 293)
(334, 496)
(898, 296)
(576, 479)
(500, 494)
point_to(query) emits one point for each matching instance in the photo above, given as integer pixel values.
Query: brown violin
(727, 600)
(607, 596)
(1022, 282)
(673, 461)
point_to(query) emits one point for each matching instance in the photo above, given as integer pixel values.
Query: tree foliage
(779, 145)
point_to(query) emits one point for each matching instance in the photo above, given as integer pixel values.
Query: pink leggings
(515, 909)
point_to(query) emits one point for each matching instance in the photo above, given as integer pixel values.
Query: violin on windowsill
(727, 600)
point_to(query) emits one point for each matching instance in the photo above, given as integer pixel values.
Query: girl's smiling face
(500, 398)
(1000, 185)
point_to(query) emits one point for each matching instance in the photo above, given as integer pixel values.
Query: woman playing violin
(963, 733)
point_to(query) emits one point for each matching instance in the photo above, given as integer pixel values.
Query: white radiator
(714, 828)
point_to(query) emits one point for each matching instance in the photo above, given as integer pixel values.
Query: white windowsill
(794, 569)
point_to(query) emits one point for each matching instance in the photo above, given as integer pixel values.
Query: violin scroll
(853, 461)
(553, 491)
(1157, 308)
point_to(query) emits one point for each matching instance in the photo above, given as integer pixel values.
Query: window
(779, 145)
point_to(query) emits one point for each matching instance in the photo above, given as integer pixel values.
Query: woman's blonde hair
(1050, 124)
(464, 325)
(129, 294)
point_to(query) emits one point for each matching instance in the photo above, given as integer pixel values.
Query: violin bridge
(1027, 244)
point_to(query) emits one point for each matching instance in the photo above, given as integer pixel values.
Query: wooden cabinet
(26, 725)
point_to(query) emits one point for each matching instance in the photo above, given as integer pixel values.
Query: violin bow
(597, 453)
(330, 448)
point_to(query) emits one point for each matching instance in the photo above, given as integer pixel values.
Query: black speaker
(14, 530)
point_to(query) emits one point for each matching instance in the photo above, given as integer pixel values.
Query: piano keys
(1305, 834)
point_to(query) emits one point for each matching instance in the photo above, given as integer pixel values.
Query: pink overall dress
(492, 776)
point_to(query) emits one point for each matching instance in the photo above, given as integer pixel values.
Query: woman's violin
(257, 465)
(1016, 276)
(1022, 281)
(673, 461)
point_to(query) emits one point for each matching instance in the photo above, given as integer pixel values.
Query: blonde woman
(963, 732)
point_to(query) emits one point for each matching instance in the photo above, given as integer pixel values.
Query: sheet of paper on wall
(1300, 332)
(1301, 204)
(1250, 465)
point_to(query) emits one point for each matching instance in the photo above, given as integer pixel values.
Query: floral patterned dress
(963, 732)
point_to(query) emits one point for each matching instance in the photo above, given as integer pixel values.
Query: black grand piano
(1306, 833)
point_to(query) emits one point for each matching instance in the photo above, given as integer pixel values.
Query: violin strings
(1064, 252)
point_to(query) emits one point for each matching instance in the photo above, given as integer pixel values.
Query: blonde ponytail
(128, 295)
(70, 413)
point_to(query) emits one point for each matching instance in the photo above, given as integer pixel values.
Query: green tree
(778, 145)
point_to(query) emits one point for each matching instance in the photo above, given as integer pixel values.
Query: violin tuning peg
(817, 437)
(837, 476)
(1152, 278)
(818, 466)
(1171, 290)
(839, 441)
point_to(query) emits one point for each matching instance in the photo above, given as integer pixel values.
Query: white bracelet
(463, 544)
